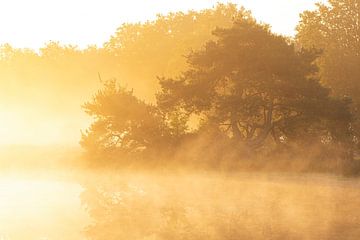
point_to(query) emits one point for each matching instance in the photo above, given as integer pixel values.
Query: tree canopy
(123, 126)
(248, 86)
(144, 51)
(253, 83)
(335, 29)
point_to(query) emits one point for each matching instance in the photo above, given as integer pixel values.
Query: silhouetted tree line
(246, 93)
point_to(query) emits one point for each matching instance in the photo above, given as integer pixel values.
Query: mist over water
(137, 204)
(221, 206)
(39, 194)
(40, 208)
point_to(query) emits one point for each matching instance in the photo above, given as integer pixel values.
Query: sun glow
(38, 127)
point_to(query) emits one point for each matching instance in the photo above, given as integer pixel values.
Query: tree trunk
(268, 127)
(235, 129)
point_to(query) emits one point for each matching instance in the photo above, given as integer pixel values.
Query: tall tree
(253, 84)
(334, 28)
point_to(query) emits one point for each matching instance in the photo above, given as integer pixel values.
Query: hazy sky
(31, 23)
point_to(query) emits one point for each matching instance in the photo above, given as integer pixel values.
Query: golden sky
(25, 23)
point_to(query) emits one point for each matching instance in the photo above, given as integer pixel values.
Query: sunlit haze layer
(42, 117)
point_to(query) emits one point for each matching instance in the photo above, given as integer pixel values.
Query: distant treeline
(242, 96)
(135, 54)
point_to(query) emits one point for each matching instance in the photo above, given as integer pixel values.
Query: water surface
(35, 208)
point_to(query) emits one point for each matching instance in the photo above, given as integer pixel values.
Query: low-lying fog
(63, 204)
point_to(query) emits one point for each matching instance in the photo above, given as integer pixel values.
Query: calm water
(39, 207)
(35, 208)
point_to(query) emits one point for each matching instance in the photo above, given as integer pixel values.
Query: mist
(208, 205)
(199, 124)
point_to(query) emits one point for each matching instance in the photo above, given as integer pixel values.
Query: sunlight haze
(32, 24)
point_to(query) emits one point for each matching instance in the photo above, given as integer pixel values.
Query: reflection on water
(281, 206)
(39, 208)
(223, 206)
